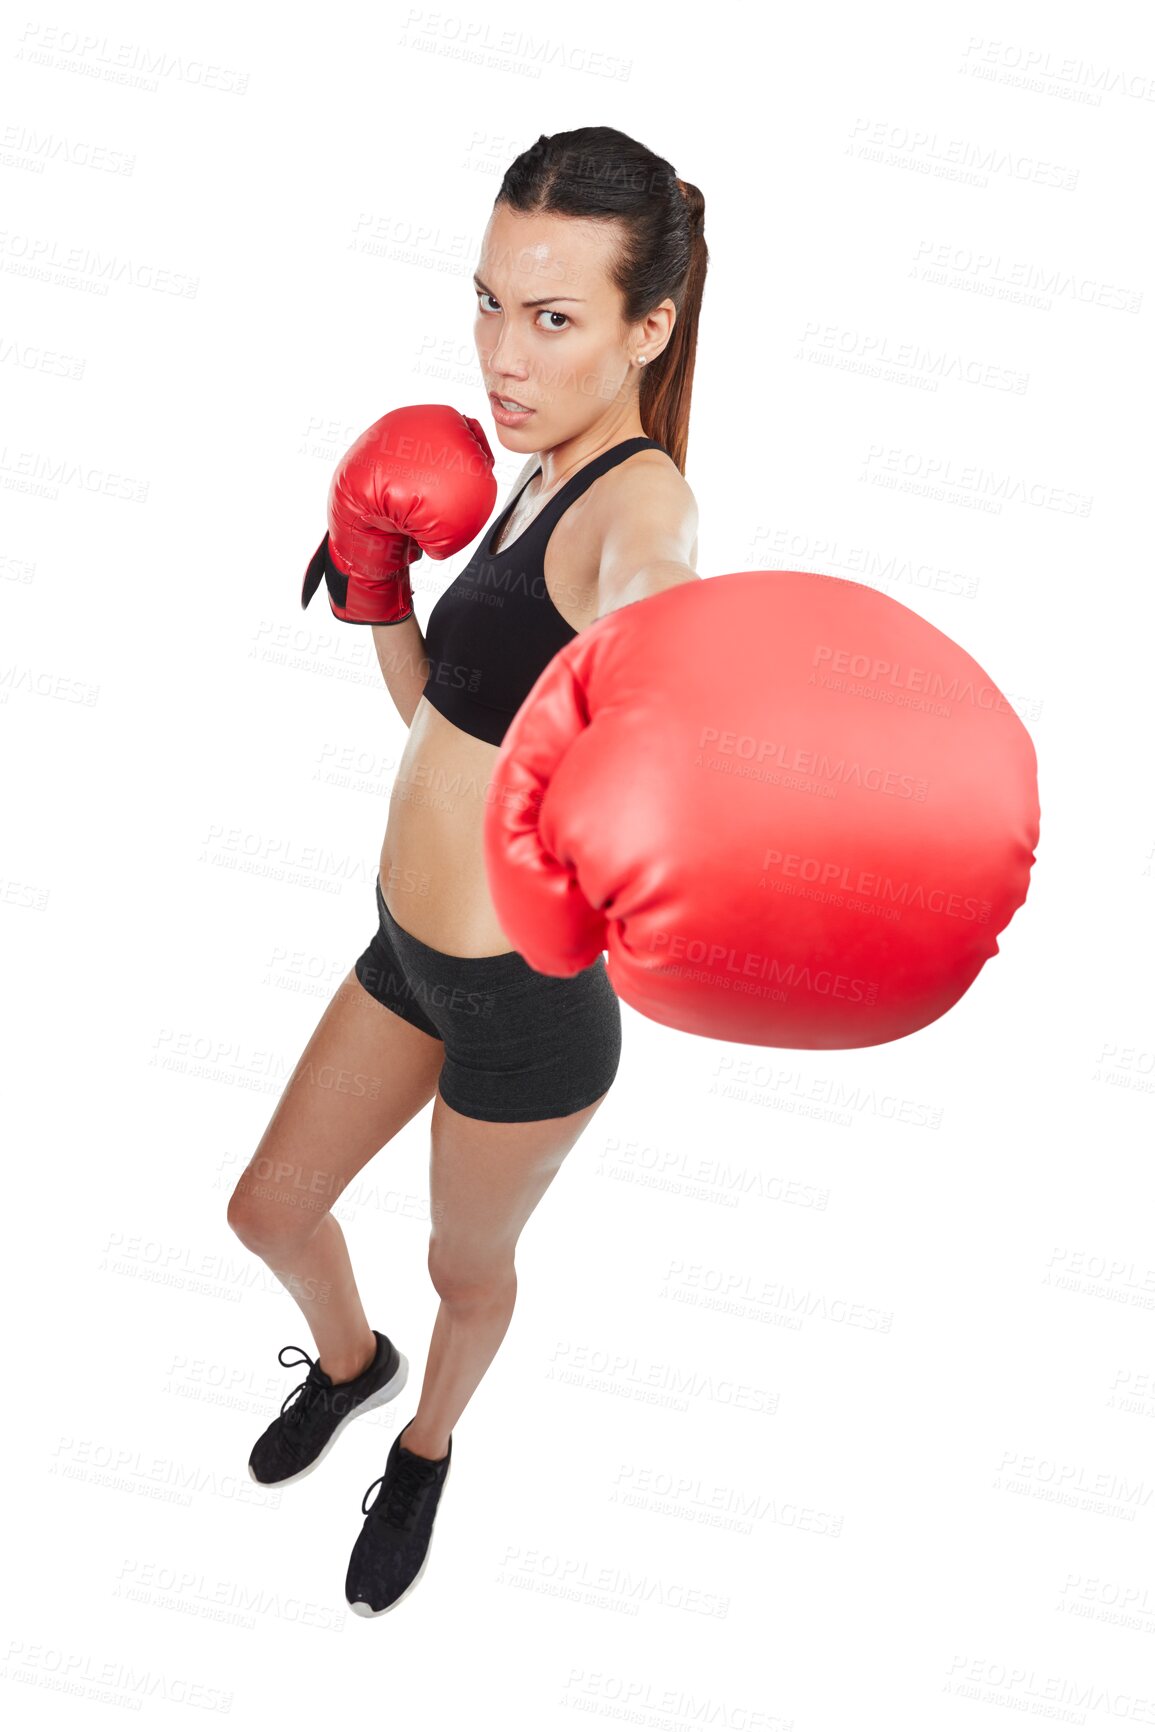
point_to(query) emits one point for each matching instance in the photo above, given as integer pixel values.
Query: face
(569, 359)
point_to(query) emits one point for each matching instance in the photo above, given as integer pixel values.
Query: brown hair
(596, 171)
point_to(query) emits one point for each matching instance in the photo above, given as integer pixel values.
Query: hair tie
(696, 213)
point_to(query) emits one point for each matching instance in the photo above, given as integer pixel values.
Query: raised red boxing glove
(419, 480)
(792, 811)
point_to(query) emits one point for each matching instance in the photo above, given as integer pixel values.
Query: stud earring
(642, 359)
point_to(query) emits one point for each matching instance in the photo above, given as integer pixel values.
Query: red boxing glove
(792, 811)
(420, 479)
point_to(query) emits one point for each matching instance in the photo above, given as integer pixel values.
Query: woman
(588, 291)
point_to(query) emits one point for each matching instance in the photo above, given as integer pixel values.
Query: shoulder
(646, 479)
(646, 513)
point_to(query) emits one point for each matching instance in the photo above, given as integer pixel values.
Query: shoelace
(305, 1393)
(398, 1506)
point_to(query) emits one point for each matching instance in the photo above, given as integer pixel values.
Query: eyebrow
(545, 299)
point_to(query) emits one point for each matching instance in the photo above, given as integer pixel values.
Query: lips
(514, 407)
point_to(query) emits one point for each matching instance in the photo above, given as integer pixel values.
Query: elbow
(664, 574)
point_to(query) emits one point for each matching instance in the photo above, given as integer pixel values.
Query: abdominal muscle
(433, 875)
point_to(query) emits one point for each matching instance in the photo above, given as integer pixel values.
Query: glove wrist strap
(385, 600)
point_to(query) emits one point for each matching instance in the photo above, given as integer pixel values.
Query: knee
(267, 1223)
(463, 1282)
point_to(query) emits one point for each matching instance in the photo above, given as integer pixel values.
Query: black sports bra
(494, 629)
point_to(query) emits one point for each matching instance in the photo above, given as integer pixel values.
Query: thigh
(365, 1072)
(529, 1058)
(485, 1180)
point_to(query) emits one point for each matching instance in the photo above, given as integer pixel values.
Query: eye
(548, 312)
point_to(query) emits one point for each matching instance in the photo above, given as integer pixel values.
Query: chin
(517, 438)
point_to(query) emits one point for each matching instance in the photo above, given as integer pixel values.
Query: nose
(503, 362)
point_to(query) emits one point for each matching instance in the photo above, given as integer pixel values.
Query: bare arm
(650, 540)
(401, 653)
(403, 662)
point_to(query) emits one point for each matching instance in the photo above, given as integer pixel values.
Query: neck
(562, 461)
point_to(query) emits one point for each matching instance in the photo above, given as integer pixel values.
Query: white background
(829, 1398)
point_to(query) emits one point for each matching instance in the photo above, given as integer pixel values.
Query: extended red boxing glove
(420, 479)
(792, 811)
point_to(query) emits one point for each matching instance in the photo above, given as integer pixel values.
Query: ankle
(343, 1369)
(424, 1444)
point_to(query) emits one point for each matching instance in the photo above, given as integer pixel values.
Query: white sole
(381, 1398)
(363, 1609)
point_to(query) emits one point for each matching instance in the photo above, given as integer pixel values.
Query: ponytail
(669, 380)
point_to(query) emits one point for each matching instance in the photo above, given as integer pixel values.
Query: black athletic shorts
(518, 1044)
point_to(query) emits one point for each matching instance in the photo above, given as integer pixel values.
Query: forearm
(403, 661)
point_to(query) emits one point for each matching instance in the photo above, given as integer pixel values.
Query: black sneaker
(392, 1549)
(312, 1414)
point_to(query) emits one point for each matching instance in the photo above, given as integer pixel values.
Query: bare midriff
(432, 868)
(433, 875)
